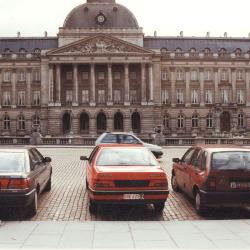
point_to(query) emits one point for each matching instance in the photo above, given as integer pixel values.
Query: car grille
(133, 183)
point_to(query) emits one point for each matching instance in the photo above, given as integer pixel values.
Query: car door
(181, 168)
(89, 164)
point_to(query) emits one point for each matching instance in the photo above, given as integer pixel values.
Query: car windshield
(231, 160)
(126, 157)
(11, 162)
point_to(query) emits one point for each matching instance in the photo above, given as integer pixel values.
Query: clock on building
(100, 18)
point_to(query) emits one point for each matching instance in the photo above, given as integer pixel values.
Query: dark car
(215, 176)
(24, 174)
(127, 138)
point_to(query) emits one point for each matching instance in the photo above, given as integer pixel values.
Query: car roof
(118, 145)
(15, 148)
(120, 133)
(222, 148)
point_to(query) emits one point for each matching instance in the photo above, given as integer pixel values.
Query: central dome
(106, 14)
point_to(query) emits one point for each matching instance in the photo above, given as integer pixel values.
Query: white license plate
(133, 196)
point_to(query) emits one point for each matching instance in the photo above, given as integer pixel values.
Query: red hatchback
(215, 176)
(125, 174)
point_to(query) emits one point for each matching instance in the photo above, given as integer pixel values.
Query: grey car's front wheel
(200, 207)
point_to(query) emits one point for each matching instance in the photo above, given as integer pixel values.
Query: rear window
(128, 139)
(231, 160)
(126, 157)
(109, 138)
(11, 162)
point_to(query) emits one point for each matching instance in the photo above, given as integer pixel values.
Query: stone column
(187, 98)
(75, 85)
(92, 85)
(247, 88)
(202, 94)
(1, 82)
(45, 82)
(58, 85)
(173, 89)
(51, 85)
(234, 94)
(126, 97)
(151, 83)
(110, 85)
(143, 85)
(29, 80)
(216, 86)
(13, 88)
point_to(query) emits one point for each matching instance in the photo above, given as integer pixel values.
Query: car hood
(152, 147)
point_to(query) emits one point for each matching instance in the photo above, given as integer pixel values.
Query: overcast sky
(168, 18)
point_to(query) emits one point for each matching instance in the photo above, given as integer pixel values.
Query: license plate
(238, 185)
(133, 196)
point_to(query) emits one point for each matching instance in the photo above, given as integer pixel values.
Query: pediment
(99, 45)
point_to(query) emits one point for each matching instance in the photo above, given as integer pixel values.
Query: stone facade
(109, 77)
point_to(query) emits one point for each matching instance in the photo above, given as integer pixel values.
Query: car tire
(92, 207)
(48, 185)
(32, 209)
(159, 206)
(200, 207)
(174, 183)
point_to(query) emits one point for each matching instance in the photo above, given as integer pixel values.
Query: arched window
(21, 123)
(84, 123)
(192, 52)
(22, 50)
(180, 121)
(118, 121)
(7, 51)
(207, 52)
(136, 122)
(36, 121)
(6, 122)
(165, 121)
(101, 121)
(222, 52)
(238, 52)
(178, 52)
(37, 51)
(195, 121)
(241, 120)
(66, 122)
(210, 121)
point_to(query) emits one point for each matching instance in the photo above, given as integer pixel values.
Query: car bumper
(8, 200)
(149, 196)
(225, 199)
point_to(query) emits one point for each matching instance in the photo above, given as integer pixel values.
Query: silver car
(127, 138)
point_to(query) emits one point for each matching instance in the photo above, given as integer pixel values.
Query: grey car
(127, 138)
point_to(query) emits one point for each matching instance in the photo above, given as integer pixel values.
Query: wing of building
(102, 74)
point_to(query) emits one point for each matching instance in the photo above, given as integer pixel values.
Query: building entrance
(66, 123)
(225, 122)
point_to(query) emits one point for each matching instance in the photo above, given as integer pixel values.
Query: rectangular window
(239, 75)
(193, 75)
(179, 97)
(101, 76)
(6, 76)
(224, 96)
(101, 96)
(6, 98)
(117, 75)
(209, 97)
(36, 98)
(164, 96)
(21, 98)
(117, 96)
(179, 75)
(21, 76)
(85, 75)
(208, 75)
(223, 75)
(69, 97)
(37, 76)
(69, 75)
(194, 96)
(164, 75)
(133, 96)
(133, 75)
(85, 96)
(240, 96)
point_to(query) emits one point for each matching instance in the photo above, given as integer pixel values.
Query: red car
(215, 176)
(125, 174)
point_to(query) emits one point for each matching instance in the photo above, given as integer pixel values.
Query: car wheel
(174, 183)
(32, 209)
(92, 207)
(48, 185)
(199, 204)
(159, 206)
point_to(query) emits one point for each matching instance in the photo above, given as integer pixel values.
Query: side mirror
(84, 158)
(176, 160)
(47, 159)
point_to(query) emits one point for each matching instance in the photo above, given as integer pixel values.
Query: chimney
(181, 34)
(208, 34)
(45, 34)
(155, 33)
(18, 34)
(225, 34)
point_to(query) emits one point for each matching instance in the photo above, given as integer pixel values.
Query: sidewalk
(227, 234)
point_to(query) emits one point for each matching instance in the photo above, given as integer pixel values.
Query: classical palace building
(102, 74)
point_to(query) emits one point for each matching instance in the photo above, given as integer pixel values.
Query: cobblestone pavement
(68, 199)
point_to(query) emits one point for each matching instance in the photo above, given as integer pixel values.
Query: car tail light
(102, 184)
(18, 183)
(160, 184)
(211, 183)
